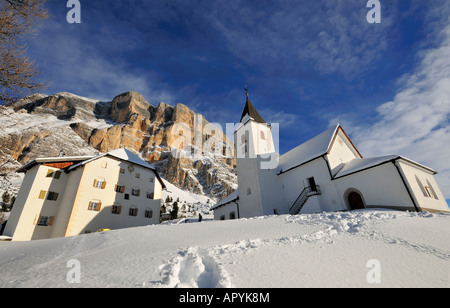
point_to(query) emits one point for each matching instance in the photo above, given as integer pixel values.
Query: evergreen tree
(174, 211)
(6, 198)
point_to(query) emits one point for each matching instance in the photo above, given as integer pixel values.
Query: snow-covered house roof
(52, 160)
(79, 161)
(124, 155)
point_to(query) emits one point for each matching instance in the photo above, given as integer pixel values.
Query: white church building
(326, 173)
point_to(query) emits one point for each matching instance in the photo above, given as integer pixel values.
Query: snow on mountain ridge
(68, 124)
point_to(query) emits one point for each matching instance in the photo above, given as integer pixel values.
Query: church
(324, 174)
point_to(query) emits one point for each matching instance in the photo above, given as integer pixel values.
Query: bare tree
(18, 19)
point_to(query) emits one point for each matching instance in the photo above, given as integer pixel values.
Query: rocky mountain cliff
(185, 148)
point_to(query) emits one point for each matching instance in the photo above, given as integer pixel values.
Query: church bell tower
(259, 189)
(253, 137)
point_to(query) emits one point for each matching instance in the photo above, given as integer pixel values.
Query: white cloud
(75, 66)
(280, 117)
(416, 122)
(328, 36)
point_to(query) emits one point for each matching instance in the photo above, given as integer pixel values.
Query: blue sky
(308, 64)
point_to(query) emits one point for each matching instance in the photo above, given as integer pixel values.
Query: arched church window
(263, 136)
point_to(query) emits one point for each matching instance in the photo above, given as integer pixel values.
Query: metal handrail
(306, 193)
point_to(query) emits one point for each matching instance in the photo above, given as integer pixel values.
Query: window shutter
(123, 189)
(95, 183)
(136, 212)
(99, 207)
(51, 220)
(36, 220)
(42, 194)
(50, 173)
(90, 203)
(57, 175)
(138, 192)
(115, 188)
(120, 209)
(104, 185)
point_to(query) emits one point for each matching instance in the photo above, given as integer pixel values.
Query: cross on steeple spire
(251, 110)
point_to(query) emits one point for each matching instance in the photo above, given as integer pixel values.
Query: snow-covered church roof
(360, 164)
(308, 151)
(230, 198)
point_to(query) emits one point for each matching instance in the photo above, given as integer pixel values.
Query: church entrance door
(355, 201)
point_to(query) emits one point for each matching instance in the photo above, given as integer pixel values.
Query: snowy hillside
(355, 249)
(190, 204)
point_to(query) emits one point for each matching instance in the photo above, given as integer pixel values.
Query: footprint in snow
(194, 268)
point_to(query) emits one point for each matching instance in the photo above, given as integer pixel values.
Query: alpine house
(67, 196)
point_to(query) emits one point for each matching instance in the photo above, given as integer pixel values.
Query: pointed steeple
(251, 110)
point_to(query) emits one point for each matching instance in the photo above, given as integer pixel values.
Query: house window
(148, 213)
(133, 212)
(151, 180)
(116, 209)
(45, 221)
(136, 192)
(127, 196)
(42, 194)
(122, 170)
(222, 217)
(52, 196)
(249, 191)
(104, 164)
(53, 174)
(100, 184)
(150, 195)
(232, 215)
(119, 188)
(95, 206)
(137, 175)
(50, 173)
